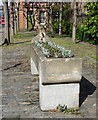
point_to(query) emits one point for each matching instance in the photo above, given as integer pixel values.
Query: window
(42, 18)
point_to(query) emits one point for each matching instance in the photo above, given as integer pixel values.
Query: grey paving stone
(19, 86)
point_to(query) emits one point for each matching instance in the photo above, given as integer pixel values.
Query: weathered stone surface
(61, 70)
(41, 37)
(55, 70)
(53, 95)
(27, 82)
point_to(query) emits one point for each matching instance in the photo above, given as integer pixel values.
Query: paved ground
(20, 93)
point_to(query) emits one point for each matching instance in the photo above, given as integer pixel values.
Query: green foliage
(52, 50)
(56, 25)
(42, 27)
(79, 32)
(90, 25)
(63, 108)
(18, 116)
(55, 18)
(55, 9)
(86, 31)
(30, 22)
(66, 22)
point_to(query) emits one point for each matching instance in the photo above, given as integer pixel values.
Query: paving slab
(20, 90)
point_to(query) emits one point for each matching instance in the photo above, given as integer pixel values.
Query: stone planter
(58, 79)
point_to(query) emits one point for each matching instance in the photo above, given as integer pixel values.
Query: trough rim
(42, 57)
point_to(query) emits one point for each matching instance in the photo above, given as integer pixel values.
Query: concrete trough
(58, 79)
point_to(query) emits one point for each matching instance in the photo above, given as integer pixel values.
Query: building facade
(34, 15)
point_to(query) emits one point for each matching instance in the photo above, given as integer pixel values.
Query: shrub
(66, 22)
(90, 23)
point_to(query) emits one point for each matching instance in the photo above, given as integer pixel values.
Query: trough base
(34, 70)
(53, 95)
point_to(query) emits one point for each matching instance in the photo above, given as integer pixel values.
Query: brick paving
(20, 92)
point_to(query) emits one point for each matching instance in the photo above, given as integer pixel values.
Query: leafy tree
(66, 21)
(55, 18)
(90, 24)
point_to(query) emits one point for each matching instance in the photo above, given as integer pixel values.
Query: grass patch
(94, 57)
(25, 35)
(81, 50)
(64, 109)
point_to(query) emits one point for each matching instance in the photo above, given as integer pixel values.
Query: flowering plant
(50, 49)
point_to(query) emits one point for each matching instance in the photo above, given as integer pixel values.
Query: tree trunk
(74, 22)
(48, 17)
(7, 25)
(17, 6)
(60, 24)
(51, 18)
(17, 19)
(15, 29)
(12, 19)
(33, 16)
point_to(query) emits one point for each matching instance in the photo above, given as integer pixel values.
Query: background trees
(90, 23)
(66, 26)
(10, 15)
(7, 24)
(61, 21)
(86, 27)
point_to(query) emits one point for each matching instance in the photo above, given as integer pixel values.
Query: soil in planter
(52, 51)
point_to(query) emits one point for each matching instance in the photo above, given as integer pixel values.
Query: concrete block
(51, 96)
(61, 70)
(58, 79)
(34, 70)
(56, 70)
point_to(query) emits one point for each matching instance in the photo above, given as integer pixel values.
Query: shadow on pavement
(86, 88)
(12, 66)
(16, 43)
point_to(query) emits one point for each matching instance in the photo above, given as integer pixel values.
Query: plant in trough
(50, 49)
(63, 108)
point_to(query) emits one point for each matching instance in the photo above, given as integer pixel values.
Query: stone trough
(58, 78)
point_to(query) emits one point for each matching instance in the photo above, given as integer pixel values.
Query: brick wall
(22, 17)
(21, 24)
(21, 20)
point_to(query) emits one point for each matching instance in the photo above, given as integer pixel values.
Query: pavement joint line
(27, 81)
